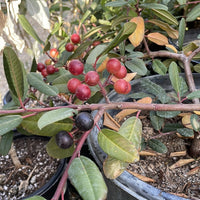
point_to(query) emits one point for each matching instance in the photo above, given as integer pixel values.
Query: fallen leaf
(193, 171)
(180, 195)
(126, 112)
(141, 177)
(184, 114)
(148, 153)
(158, 38)
(137, 36)
(110, 122)
(181, 163)
(197, 112)
(178, 153)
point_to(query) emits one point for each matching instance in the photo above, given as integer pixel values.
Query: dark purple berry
(84, 121)
(64, 140)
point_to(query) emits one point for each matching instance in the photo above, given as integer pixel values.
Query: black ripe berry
(64, 140)
(84, 121)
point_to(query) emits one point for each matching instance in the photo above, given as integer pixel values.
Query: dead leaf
(126, 112)
(186, 121)
(158, 38)
(148, 153)
(193, 171)
(103, 65)
(171, 47)
(197, 112)
(137, 36)
(180, 195)
(181, 163)
(110, 122)
(141, 177)
(178, 153)
(128, 77)
(184, 114)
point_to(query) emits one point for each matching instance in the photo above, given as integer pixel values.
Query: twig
(14, 157)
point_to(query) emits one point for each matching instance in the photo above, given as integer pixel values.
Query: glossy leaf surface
(87, 179)
(117, 146)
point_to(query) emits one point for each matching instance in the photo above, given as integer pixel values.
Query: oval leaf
(30, 124)
(56, 152)
(195, 121)
(157, 146)
(186, 132)
(137, 65)
(156, 121)
(193, 14)
(165, 16)
(5, 143)
(117, 146)
(36, 81)
(167, 114)
(55, 115)
(14, 72)
(195, 94)
(181, 30)
(158, 38)
(87, 179)
(131, 129)
(113, 167)
(137, 36)
(159, 67)
(8, 123)
(186, 121)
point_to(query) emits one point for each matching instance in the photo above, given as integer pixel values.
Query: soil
(36, 168)
(183, 181)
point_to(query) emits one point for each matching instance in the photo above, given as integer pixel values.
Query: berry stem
(75, 154)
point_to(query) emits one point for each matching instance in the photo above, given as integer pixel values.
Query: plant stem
(76, 152)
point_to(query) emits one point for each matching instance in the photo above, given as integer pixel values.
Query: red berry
(76, 67)
(121, 73)
(83, 92)
(121, 86)
(113, 65)
(75, 38)
(129, 88)
(72, 84)
(92, 78)
(56, 69)
(53, 53)
(44, 73)
(40, 67)
(95, 43)
(69, 47)
(50, 69)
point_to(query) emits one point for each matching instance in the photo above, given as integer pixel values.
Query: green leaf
(193, 14)
(92, 31)
(37, 82)
(123, 34)
(159, 67)
(197, 68)
(87, 179)
(116, 3)
(184, 87)
(55, 115)
(117, 146)
(36, 198)
(55, 151)
(156, 121)
(56, 7)
(186, 132)
(181, 31)
(28, 28)
(165, 16)
(181, 2)
(140, 95)
(34, 65)
(81, 49)
(113, 167)
(30, 125)
(174, 77)
(195, 122)
(5, 143)
(63, 59)
(131, 129)
(157, 146)
(14, 72)
(8, 123)
(167, 114)
(153, 6)
(155, 89)
(137, 65)
(172, 127)
(195, 94)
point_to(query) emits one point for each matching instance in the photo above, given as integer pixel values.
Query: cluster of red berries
(75, 39)
(75, 86)
(114, 67)
(47, 68)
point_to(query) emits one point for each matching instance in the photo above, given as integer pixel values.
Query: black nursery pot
(127, 186)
